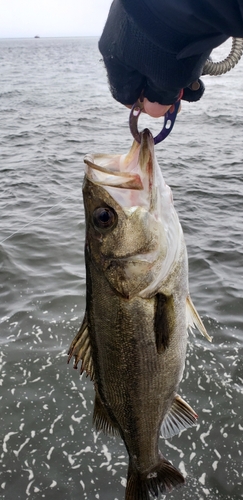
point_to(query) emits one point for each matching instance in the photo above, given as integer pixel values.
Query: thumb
(194, 92)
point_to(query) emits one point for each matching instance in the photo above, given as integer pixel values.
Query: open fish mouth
(136, 184)
(131, 172)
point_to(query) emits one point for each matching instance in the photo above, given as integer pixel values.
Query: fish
(133, 338)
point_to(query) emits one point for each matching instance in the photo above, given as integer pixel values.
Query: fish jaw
(137, 253)
(128, 178)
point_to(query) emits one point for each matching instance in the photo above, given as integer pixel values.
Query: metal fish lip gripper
(169, 120)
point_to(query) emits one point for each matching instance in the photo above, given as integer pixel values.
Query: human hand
(136, 67)
(154, 109)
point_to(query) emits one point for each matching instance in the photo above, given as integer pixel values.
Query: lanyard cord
(221, 67)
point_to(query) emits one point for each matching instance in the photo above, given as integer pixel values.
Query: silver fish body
(133, 338)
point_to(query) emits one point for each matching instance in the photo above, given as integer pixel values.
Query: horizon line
(49, 36)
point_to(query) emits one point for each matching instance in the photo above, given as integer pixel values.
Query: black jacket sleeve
(199, 22)
(159, 47)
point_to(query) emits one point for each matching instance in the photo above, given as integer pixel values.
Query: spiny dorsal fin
(80, 348)
(194, 320)
(180, 417)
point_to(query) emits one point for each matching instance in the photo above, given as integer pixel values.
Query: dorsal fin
(80, 348)
(194, 320)
(163, 321)
(101, 418)
(180, 417)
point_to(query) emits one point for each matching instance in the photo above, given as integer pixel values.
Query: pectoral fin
(194, 320)
(80, 348)
(163, 321)
(180, 417)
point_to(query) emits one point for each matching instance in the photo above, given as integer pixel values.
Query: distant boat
(37, 36)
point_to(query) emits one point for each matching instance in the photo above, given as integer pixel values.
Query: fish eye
(104, 218)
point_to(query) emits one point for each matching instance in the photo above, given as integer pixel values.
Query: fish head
(132, 229)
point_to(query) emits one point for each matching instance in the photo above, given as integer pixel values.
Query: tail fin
(162, 478)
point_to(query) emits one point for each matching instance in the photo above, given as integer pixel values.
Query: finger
(155, 109)
(171, 110)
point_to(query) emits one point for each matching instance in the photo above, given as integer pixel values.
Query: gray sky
(27, 18)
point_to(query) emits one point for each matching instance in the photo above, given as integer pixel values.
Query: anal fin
(80, 348)
(180, 417)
